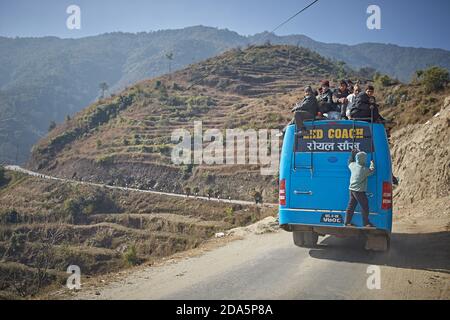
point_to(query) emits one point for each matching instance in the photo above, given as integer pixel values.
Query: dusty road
(269, 266)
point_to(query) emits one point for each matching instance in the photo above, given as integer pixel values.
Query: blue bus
(314, 181)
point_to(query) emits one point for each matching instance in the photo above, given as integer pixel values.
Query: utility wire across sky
(304, 9)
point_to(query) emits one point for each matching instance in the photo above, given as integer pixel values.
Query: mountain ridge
(46, 79)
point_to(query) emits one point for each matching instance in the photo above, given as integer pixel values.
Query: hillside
(46, 79)
(409, 104)
(126, 139)
(47, 225)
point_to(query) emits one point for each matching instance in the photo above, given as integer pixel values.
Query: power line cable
(279, 26)
(302, 10)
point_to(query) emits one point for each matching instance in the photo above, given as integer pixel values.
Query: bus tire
(298, 238)
(305, 239)
(310, 239)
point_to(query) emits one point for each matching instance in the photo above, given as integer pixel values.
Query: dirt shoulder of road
(423, 216)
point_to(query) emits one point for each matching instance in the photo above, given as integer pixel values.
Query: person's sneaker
(369, 225)
(350, 225)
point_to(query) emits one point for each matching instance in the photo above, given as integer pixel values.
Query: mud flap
(377, 242)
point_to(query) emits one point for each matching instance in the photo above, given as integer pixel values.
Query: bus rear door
(319, 171)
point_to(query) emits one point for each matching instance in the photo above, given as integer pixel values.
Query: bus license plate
(334, 218)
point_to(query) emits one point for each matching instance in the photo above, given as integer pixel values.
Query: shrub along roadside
(434, 78)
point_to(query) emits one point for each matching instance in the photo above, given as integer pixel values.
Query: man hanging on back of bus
(358, 187)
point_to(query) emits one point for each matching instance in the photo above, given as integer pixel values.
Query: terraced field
(246, 89)
(45, 226)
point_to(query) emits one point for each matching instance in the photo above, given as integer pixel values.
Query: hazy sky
(403, 22)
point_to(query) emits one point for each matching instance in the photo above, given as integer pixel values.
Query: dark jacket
(309, 104)
(337, 94)
(326, 102)
(363, 108)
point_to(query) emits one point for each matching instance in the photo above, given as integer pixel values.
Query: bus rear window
(334, 138)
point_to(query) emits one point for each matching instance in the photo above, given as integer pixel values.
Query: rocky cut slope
(126, 139)
(421, 159)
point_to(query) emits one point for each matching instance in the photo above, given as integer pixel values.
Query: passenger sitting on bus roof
(351, 87)
(307, 109)
(340, 98)
(326, 103)
(358, 187)
(351, 100)
(366, 106)
(316, 93)
(319, 92)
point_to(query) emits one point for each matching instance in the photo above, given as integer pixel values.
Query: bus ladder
(311, 164)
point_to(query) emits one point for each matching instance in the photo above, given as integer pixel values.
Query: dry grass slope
(45, 226)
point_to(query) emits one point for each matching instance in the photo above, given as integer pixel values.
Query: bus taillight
(283, 192)
(387, 196)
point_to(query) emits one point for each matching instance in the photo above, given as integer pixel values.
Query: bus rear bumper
(332, 222)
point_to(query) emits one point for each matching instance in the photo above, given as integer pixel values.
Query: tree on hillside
(196, 191)
(367, 73)
(51, 126)
(104, 87)
(383, 80)
(209, 192)
(169, 57)
(341, 69)
(434, 78)
(419, 74)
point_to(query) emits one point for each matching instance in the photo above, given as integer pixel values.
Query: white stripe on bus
(323, 211)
